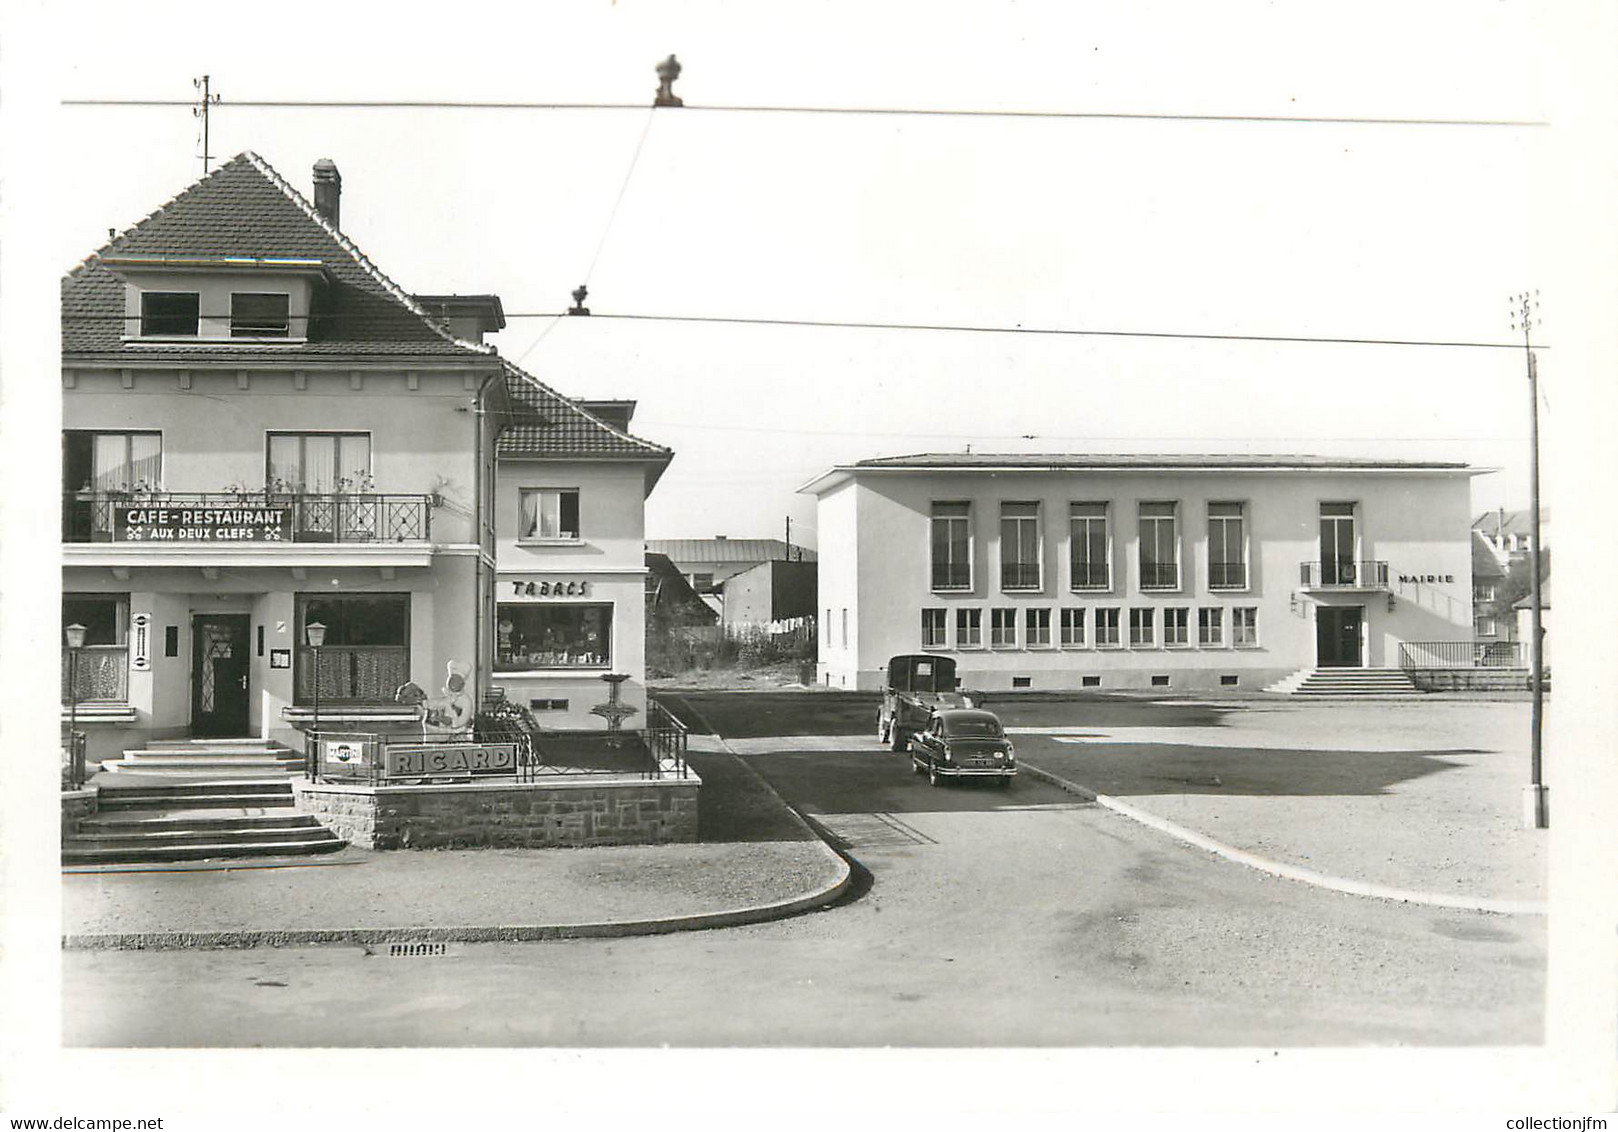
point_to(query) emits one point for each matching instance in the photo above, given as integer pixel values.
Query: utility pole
(1525, 312)
(200, 110)
(789, 538)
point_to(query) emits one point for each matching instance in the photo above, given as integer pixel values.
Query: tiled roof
(1104, 461)
(568, 430)
(723, 550)
(245, 209)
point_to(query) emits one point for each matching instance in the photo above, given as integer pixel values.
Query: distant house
(1489, 590)
(1525, 618)
(708, 562)
(1510, 533)
(771, 591)
(670, 596)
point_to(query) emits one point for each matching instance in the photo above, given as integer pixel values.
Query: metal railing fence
(1463, 654)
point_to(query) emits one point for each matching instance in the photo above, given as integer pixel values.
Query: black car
(963, 743)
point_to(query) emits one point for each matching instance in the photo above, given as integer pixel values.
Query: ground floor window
(1244, 626)
(366, 656)
(932, 628)
(1003, 628)
(969, 628)
(1107, 627)
(1176, 624)
(1142, 626)
(1072, 628)
(101, 673)
(533, 635)
(1037, 624)
(1210, 627)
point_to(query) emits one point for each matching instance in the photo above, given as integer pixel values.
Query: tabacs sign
(202, 524)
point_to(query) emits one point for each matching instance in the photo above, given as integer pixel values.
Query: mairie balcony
(156, 519)
(1343, 574)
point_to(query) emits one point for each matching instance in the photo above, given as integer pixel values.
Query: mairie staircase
(192, 800)
(1347, 682)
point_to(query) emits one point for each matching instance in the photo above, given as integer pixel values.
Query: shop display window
(531, 635)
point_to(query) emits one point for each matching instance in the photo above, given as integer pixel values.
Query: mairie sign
(202, 524)
(428, 759)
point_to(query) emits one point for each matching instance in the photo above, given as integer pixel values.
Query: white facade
(1233, 588)
(570, 607)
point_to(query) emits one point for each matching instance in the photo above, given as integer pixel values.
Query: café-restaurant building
(265, 435)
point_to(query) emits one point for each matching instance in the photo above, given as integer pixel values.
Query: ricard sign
(202, 524)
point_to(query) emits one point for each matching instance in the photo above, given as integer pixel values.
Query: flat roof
(1128, 462)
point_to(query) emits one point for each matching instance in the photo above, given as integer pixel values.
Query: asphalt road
(1020, 917)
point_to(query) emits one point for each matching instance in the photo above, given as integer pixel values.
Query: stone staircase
(214, 758)
(1347, 682)
(193, 821)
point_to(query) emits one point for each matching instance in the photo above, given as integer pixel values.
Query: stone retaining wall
(76, 806)
(575, 812)
(1471, 679)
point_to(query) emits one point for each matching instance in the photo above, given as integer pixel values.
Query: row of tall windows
(1078, 627)
(313, 462)
(1089, 546)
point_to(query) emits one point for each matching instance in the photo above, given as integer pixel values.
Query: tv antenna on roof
(200, 110)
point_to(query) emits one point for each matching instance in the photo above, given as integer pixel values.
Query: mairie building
(264, 433)
(1072, 571)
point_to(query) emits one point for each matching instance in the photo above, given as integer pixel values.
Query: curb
(1288, 872)
(512, 933)
(610, 929)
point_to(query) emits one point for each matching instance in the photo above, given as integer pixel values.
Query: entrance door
(219, 674)
(1337, 635)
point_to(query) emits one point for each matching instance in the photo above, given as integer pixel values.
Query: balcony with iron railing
(1019, 576)
(1343, 574)
(1227, 575)
(952, 575)
(172, 518)
(1159, 575)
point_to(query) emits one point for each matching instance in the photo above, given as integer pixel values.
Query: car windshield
(971, 729)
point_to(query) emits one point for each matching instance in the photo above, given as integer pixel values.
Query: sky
(1139, 225)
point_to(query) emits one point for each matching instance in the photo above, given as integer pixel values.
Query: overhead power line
(834, 324)
(881, 111)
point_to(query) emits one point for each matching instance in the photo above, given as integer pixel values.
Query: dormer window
(257, 314)
(169, 313)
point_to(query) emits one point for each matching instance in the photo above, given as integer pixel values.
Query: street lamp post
(1524, 314)
(317, 637)
(75, 642)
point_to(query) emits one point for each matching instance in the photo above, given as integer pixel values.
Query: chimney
(328, 191)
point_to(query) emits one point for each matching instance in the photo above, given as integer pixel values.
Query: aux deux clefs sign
(202, 524)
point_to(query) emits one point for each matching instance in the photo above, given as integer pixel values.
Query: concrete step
(177, 838)
(73, 855)
(197, 795)
(230, 765)
(184, 820)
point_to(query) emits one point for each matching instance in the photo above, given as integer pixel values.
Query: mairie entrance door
(219, 674)
(1337, 636)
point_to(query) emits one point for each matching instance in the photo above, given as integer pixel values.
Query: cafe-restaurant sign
(202, 524)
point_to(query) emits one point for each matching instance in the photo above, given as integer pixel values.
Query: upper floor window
(112, 461)
(169, 313)
(553, 513)
(1483, 591)
(1337, 544)
(1037, 627)
(1019, 546)
(968, 628)
(932, 628)
(259, 315)
(1002, 628)
(1089, 553)
(1227, 547)
(319, 463)
(952, 546)
(1159, 547)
